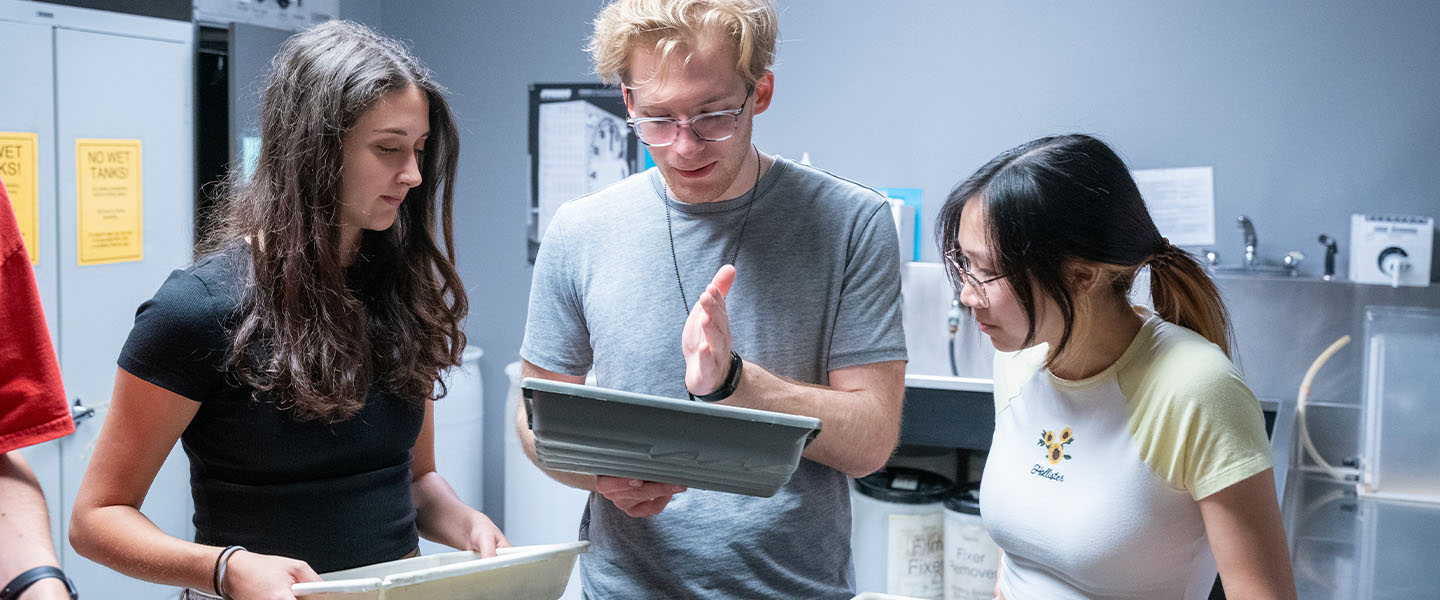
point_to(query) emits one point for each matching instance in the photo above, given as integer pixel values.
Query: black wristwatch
(23, 581)
(732, 381)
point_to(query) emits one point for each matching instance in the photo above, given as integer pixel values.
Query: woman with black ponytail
(1129, 458)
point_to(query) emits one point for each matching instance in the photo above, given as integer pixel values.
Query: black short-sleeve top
(336, 495)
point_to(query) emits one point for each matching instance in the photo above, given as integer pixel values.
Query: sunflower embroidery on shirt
(1055, 444)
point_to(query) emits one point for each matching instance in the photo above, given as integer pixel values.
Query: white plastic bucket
(971, 557)
(538, 509)
(459, 442)
(897, 534)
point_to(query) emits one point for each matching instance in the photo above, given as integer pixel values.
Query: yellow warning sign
(20, 170)
(109, 201)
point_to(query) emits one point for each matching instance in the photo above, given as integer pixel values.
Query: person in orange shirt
(32, 410)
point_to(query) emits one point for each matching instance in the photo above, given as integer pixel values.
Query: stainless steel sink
(1255, 270)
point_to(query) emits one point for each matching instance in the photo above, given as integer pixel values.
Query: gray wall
(1307, 111)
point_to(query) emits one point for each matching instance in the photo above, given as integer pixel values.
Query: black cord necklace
(734, 254)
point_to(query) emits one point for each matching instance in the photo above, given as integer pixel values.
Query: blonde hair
(675, 26)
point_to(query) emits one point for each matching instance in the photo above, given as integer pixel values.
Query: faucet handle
(1330, 249)
(1212, 257)
(1292, 262)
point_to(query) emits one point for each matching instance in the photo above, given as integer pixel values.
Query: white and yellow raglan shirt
(1092, 487)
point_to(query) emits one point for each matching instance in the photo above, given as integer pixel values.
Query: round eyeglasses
(718, 126)
(960, 264)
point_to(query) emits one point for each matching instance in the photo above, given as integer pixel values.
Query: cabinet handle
(79, 412)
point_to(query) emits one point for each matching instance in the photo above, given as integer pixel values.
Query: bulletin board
(579, 143)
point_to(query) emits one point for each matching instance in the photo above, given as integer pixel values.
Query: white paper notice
(582, 150)
(1182, 202)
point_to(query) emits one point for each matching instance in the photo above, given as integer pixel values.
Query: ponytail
(1185, 295)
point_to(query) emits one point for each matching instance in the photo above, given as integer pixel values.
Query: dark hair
(319, 338)
(1063, 198)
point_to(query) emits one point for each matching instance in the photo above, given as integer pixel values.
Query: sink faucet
(1244, 224)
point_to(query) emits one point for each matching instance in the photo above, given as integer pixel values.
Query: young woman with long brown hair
(298, 358)
(1129, 458)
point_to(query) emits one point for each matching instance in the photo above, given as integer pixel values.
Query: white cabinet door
(121, 87)
(27, 105)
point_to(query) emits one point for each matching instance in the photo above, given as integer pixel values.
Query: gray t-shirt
(817, 288)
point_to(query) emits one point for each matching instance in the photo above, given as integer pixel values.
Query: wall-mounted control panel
(1391, 250)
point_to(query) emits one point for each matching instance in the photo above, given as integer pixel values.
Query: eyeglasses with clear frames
(961, 264)
(717, 126)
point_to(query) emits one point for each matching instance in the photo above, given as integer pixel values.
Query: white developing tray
(521, 573)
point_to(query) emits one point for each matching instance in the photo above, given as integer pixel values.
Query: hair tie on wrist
(217, 578)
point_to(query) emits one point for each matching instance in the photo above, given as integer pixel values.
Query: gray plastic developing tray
(704, 446)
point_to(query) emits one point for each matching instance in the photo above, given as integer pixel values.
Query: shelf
(942, 382)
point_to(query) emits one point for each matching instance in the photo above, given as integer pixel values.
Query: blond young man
(732, 275)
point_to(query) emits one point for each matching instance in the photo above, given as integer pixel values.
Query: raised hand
(706, 338)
